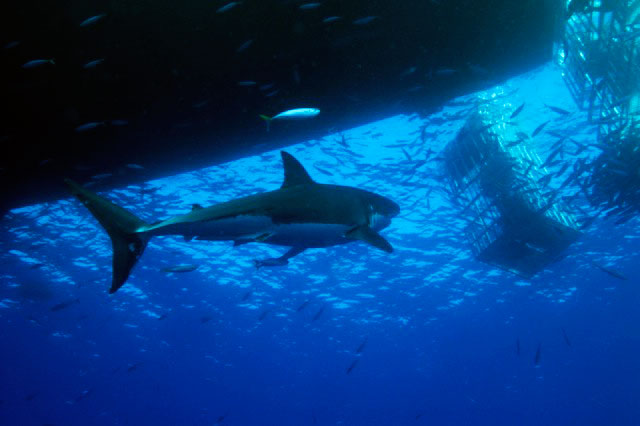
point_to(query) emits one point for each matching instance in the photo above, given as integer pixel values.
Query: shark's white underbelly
(260, 229)
(309, 235)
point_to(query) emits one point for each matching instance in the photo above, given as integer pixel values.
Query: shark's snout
(382, 211)
(393, 209)
(386, 207)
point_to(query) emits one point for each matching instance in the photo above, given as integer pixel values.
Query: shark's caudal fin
(122, 226)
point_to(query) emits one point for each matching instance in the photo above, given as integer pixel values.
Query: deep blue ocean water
(229, 344)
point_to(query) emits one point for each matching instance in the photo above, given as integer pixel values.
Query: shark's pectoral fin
(369, 236)
(279, 261)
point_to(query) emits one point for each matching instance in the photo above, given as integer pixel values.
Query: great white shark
(301, 214)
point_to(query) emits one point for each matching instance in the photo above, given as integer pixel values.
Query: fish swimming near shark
(180, 268)
(63, 305)
(352, 365)
(301, 214)
(318, 314)
(362, 346)
(291, 114)
(303, 305)
(536, 359)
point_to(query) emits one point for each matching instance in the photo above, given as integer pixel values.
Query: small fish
(559, 142)
(92, 64)
(63, 305)
(365, 20)
(309, 6)
(536, 360)
(133, 367)
(38, 63)
(609, 271)
(244, 46)
(263, 315)
(445, 72)
(227, 7)
(408, 72)
(563, 169)
(362, 346)
(162, 317)
(557, 110)
(539, 128)
(518, 110)
(101, 176)
(92, 20)
(323, 171)
(580, 148)
(303, 305)
(180, 268)
(551, 156)
(318, 314)
(247, 83)
(247, 295)
(85, 393)
(135, 166)
(89, 126)
(353, 365)
(566, 338)
(545, 180)
(330, 19)
(292, 114)
(556, 134)
(205, 319)
(220, 419)
(11, 45)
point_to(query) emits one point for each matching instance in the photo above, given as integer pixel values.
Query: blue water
(440, 327)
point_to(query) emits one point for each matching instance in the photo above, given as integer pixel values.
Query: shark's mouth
(378, 221)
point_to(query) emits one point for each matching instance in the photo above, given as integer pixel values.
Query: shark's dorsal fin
(369, 236)
(196, 207)
(294, 172)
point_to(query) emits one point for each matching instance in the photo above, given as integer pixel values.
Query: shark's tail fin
(123, 227)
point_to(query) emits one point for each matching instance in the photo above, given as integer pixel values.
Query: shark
(301, 214)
